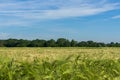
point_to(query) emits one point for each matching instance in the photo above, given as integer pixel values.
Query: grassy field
(59, 63)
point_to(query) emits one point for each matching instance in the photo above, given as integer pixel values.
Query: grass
(59, 63)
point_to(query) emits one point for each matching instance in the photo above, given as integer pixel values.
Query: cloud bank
(14, 12)
(116, 17)
(52, 9)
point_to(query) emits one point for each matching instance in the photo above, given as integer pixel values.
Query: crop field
(60, 63)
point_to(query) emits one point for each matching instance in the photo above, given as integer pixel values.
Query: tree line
(61, 42)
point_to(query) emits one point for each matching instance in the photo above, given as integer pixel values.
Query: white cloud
(76, 12)
(4, 35)
(116, 17)
(11, 22)
(52, 9)
(19, 12)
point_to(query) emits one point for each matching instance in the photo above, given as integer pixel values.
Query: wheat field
(60, 63)
(56, 53)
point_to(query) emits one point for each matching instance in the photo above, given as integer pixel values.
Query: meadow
(60, 63)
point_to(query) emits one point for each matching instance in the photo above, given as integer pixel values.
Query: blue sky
(97, 20)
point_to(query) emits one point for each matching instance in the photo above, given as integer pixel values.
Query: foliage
(61, 42)
(66, 69)
(53, 63)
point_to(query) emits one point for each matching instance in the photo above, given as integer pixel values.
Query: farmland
(60, 63)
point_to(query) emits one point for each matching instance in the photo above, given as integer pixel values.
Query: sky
(82, 20)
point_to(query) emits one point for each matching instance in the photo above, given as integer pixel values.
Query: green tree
(23, 43)
(11, 42)
(50, 43)
(61, 42)
(82, 44)
(67, 43)
(2, 43)
(73, 43)
(37, 43)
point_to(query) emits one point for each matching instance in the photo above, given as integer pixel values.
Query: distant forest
(61, 42)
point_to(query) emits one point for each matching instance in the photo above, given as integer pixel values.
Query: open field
(56, 53)
(59, 63)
